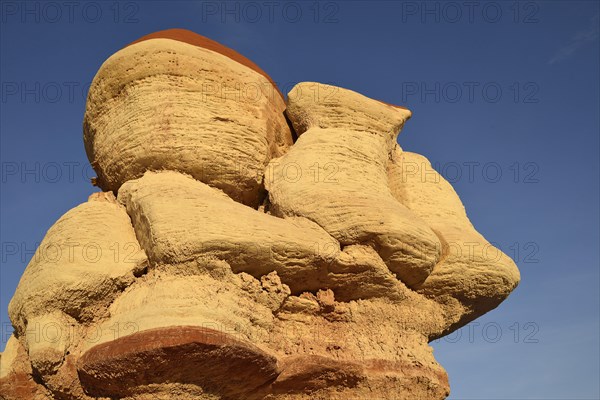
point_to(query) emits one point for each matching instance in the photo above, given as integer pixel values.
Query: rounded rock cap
(189, 37)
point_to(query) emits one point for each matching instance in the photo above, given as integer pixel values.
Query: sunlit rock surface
(245, 247)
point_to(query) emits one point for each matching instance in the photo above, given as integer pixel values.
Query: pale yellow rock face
(233, 264)
(8, 356)
(179, 219)
(84, 261)
(48, 338)
(165, 104)
(336, 176)
(471, 270)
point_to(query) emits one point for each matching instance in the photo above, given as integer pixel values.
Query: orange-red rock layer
(189, 37)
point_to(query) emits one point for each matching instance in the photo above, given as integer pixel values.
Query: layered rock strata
(234, 255)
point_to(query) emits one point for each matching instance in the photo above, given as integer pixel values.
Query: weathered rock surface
(336, 176)
(178, 219)
(471, 270)
(181, 102)
(86, 259)
(235, 264)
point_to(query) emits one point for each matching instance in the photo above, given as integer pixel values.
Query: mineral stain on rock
(245, 246)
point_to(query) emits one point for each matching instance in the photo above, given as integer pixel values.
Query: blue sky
(505, 100)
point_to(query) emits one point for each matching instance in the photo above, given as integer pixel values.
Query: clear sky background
(505, 100)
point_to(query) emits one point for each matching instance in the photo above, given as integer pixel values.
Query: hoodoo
(255, 258)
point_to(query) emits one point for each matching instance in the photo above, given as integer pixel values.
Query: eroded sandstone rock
(336, 176)
(177, 91)
(85, 260)
(234, 264)
(471, 270)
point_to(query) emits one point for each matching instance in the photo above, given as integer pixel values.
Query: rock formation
(236, 255)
